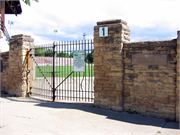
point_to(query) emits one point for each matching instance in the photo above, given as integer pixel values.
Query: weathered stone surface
(177, 98)
(155, 59)
(111, 22)
(153, 83)
(149, 88)
(15, 76)
(110, 49)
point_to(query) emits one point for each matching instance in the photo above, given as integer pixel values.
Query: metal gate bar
(55, 65)
(42, 84)
(79, 92)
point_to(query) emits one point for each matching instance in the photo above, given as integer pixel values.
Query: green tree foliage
(40, 51)
(28, 2)
(49, 53)
(62, 54)
(90, 57)
(71, 55)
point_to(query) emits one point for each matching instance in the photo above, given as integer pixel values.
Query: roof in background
(13, 7)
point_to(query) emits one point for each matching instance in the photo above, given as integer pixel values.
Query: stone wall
(150, 87)
(136, 76)
(108, 64)
(178, 78)
(5, 69)
(17, 73)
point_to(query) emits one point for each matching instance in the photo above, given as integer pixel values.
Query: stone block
(117, 54)
(119, 86)
(105, 80)
(108, 40)
(118, 40)
(161, 99)
(114, 93)
(114, 21)
(107, 57)
(117, 108)
(98, 60)
(127, 61)
(116, 67)
(172, 99)
(165, 110)
(128, 71)
(159, 105)
(109, 85)
(114, 60)
(98, 88)
(113, 73)
(117, 79)
(119, 101)
(126, 93)
(99, 74)
(104, 102)
(104, 67)
(98, 42)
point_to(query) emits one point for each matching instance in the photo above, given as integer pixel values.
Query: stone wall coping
(28, 39)
(149, 41)
(111, 22)
(20, 35)
(2, 53)
(178, 38)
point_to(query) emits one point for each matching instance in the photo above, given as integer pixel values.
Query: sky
(147, 19)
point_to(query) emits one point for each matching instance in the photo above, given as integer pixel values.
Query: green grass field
(63, 71)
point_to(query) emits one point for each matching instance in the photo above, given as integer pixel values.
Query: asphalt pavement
(30, 116)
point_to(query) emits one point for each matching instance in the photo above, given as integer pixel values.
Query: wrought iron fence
(55, 77)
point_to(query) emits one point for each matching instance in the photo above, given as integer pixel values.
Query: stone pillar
(108, 64)
(18, 67)
(178, 77)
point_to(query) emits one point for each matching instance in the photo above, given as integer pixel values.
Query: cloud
(152, 33)
(73, 18)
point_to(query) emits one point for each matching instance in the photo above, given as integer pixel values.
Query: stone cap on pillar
(21, 36)
(178, 37)
(113, 21)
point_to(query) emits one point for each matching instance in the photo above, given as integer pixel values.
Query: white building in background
(4, 47)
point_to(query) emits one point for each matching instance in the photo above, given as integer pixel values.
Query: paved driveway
(26, 116)
(72, 88)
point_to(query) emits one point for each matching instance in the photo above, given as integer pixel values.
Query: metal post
(54, 89)
(2, 15)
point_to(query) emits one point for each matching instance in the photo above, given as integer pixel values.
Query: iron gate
(54, 77)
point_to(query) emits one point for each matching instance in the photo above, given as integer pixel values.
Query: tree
(40, 51)
(43, 52)
(28, 2)
(49, 53)
(62, 54)
(71, 55)
(90, 57)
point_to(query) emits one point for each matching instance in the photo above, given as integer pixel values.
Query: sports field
(63, 71)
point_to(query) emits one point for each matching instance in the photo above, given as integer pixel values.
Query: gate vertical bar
(54, 71)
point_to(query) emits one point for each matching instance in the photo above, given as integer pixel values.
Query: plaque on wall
(150, 59)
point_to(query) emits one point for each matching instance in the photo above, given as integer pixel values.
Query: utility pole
(10, 23)
(55, 31)
(84, 34)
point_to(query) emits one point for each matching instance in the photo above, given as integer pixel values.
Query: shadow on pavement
(90, 108)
